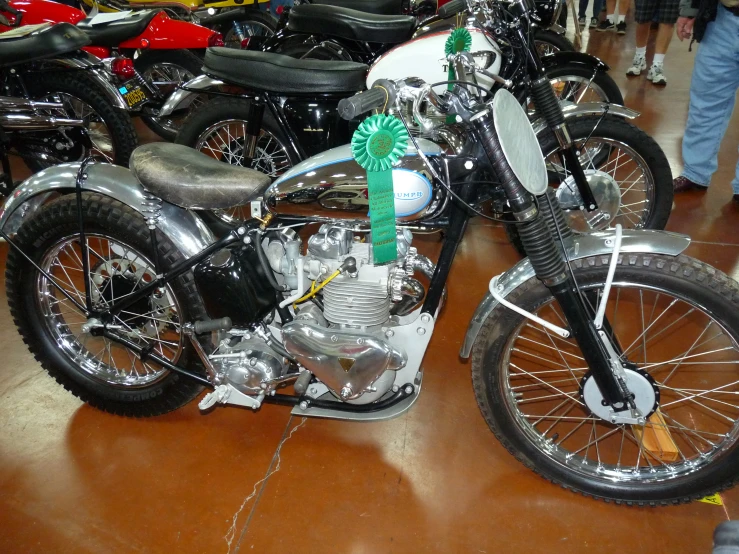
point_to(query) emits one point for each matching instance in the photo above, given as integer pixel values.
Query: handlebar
(451, 8)
(381, 95)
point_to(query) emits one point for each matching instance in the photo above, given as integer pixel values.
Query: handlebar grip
(351, 107)
(223, 324)
(452, 8)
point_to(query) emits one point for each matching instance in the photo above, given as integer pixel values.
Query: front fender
(185, 229)
(563, 57)
(181, 98)
(94, 68)
(583, 246)
(572, 111)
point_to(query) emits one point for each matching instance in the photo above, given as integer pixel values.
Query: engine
(344, 337)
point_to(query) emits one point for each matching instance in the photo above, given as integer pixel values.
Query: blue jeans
(712, 92)
(597, 7)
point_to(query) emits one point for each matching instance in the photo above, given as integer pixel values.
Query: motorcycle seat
(187, 178)
(114, 32)
(23, 45)
(351, 24)
(283, 74)
(379, 7)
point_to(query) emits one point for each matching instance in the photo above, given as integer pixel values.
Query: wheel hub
(643, 388)
(606, 192)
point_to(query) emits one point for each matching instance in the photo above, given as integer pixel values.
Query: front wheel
(97, 370)
(677, 323)
(110, 130)
(549, 42)
(626, 169)
(577, 83)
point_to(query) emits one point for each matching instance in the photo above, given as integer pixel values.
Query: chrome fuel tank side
(333, 186)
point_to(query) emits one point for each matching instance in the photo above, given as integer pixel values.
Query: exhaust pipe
(23, 122)
(21, 104)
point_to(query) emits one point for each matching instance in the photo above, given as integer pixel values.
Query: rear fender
(183, 227)
(563, 57)
(181, 98)
(165, 33)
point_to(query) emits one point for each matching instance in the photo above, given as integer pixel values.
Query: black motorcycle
(44, 67)
(605, 169)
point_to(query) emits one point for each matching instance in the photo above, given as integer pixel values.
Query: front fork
(547, 104)
(536, 228)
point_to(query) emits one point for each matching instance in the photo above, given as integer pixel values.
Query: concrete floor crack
(276, 462)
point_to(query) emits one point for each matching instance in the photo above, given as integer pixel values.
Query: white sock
(621, 18)
(659, 59)
(609, 17)
(641, 52)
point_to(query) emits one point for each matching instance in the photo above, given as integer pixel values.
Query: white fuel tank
(423, 57)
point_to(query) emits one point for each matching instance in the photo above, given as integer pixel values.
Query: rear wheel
(677, 321)
(255, 24)
(549, 42)
(110, 130)
(99, 371)
(219, 130)
(166, 70)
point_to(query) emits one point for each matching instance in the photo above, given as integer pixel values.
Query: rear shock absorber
(535, 230)
(547, 104)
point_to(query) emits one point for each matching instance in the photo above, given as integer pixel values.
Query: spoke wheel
(102, 372)
(224, 141)
(572, 89)
(676, 329)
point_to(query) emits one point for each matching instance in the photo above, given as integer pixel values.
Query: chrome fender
(184, 228)
(572, 111)
(94, 67)
(583, 246)
(181, 98)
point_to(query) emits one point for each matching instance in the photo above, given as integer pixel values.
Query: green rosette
(378, 144)
(460, 40)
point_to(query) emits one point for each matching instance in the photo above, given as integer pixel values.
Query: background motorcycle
(169, 52)
(307, 124)
(126, 339)
(46, 64)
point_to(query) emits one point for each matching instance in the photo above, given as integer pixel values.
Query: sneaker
(681, 184)
(593, 22)
(581, 21)
(606, 25)
(621, 28)
(637, 65)
(657, 75)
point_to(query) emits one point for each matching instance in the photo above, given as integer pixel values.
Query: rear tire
(602, 84)
(117, 123)
(256, 23)
(103, 216)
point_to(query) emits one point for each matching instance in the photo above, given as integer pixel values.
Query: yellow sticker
(714, 499)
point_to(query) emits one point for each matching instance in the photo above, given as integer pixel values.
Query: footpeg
(226, 394)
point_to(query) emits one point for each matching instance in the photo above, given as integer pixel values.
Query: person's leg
(582, 11)
(642, 14)
(712, 92)
(609, 21)
(623, 7)
(656, 72)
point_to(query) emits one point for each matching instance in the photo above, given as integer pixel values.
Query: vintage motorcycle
(583, 143)
(43, 67)
(605, 362)
(169, 51)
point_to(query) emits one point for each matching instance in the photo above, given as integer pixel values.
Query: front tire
(528, 386)
(98, 371)
(111, 130)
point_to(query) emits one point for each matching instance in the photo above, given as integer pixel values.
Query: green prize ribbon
(378, 143)
(460, 40)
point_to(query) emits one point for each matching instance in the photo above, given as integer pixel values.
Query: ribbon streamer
(460, 40)
(378, 144)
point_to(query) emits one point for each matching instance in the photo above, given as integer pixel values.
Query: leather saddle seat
(351, 24)
(379, 7)
(282, 74)
(36, 42)
(115, 32)
(190, 179)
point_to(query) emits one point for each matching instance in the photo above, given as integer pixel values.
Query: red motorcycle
(148, 52)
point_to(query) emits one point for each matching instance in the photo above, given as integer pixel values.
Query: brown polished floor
(76, 480)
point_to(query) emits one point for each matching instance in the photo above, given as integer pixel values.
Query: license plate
(133, 94)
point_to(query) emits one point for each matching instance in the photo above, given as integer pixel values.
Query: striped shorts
(667, 11)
